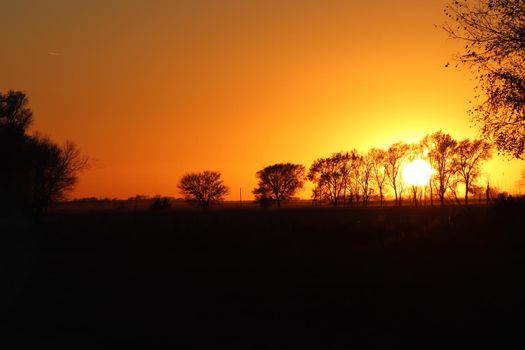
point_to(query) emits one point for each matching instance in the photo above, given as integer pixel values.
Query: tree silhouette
(35, 171)
(443, 148)
(365, 175)
(427, 144)
(279, 182)
(160, 203)
(15, 119)
(354, 177)
(416, 152)
(378, 158)
(331, 175)
(14, 111)
(55, 170)
(468, 159)
(393, 163)
(204, 188)
(493, 34)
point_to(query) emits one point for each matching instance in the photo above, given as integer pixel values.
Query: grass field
(319, 278)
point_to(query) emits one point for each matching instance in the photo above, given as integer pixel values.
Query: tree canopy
(331, 176)
(493, 32)
(394, 159)
(442, 151)
(279, 182)
(204, 188)
(469, 156)
(14, 111)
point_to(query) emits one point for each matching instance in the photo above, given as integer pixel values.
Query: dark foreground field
(265, 279)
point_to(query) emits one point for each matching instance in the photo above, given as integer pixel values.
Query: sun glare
(417, 173)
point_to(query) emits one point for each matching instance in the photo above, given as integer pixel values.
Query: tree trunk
(466, 193)
(395, 197)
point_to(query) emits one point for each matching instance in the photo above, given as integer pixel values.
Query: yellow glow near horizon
(417, 173)
(233, 86)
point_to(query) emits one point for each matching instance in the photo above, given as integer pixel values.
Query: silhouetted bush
(138, 197)
(160, 203)
(508, 202)
(264, 202)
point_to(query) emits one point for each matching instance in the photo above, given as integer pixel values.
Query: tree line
(352, 178)
(492, 32)
(37, 172)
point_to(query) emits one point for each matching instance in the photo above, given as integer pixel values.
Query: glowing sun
(417, 173)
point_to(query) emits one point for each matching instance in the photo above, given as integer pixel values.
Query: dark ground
(265, 279)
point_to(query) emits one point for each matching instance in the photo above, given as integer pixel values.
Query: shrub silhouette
(160, 203)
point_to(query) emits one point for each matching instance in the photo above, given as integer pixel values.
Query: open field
(319, 278)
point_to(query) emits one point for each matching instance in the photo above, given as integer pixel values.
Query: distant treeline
(37, 172)
(455, 169)
(353, 178)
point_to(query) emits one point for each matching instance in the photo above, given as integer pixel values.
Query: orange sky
(154, 89)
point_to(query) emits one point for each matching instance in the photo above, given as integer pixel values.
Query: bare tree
(279, 182)
(204, 188)
(365, 176)
(378, 158)
(469, 157)
(442, 155)
(393, 164)
(493, 34)
(454, 189)
(354, 177)
(318, 192)
(331, 175)
(427, 145)
(55, 169)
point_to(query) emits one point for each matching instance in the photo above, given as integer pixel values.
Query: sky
(151, 90)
